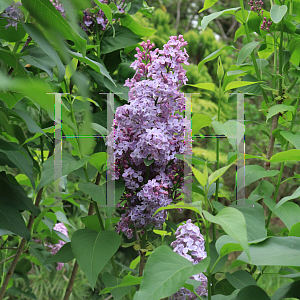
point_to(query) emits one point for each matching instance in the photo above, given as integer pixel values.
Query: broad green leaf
(98, 67)
(252, 292)
(255, 218)
(10, 98)
(214, 256)
(295, 195)
(23, 266)
(124, 37)
(98, 160)
(212, 56)
(207, 19)
(295, 230)
(69, 164)
(205, 86)
(226, 244)
(135, 27)
(264, 189)
(12, 220)
(275, 251)
(223, 288)
(290, 155)
(10, 34)
(73, 141)
(46, 46)
(292, 138)
(217, 174)
(288, 290)
(200, 121)
(234, 224)
(34, 88)
(277, 12)
(245, 52)
(50, 18)
(274, 110)
(207, 4)
(165, 273)
(63, 255)
(237, 84)
(98, 193)
(200, 177)
(128, 280)
(91, 222)
(93, 250)
(289, 213)
(4, 4)
(240, 279)
(252, 174)
(195, 206)
(19, 157)
(148, 162)
(233, 130)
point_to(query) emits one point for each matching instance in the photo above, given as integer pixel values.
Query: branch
(178, 15)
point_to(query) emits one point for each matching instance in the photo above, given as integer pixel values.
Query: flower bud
(220, 70)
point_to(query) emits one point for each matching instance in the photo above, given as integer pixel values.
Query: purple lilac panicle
(150, 127)
(189, 243)
(55, 248)
(13, 13)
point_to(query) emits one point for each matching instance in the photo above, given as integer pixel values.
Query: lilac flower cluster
(150, 127)
(256, 6)
(91, 17)
(55, 248)
(189, 243)
(12, 14)
(266, 24)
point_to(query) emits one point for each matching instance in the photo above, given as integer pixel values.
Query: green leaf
(34, 88)
(290, 155)
(124, 37)
(255, 218)
(205, 86)
(208, 4)
(4, 4)
(12, 220)
(237, 84)
(195, 206)
(245, 52)
(223, 287)
(252, 292)
(46, 46)
(128, 280)
(93, 250)
(98, 160)
(234, 224)
(64, 255)
(23, 266)
(226, 244)
(292, 138)
(46, 14)
(295, 230)
(165, 273)
(264, 189)
(148, 162)
(200, 121)
(252, 174)
(274, 110)
(213, 55)
(217, 174)
(230, 130)
(240, 279)
(288, 290)
(11, 34)
(69, 164)
(275, 251)
(18, 156)
(289, 213)
(98, 193)
(135, 27)
(98, 67)
(106, 9)
(91, 222)
(10, 98)
(200, 177)
(213, 258)
(277, 12)
(207, 19)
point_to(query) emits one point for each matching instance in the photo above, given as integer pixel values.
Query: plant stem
(252, 54)
(207, 250)
(282, 163)
(262, 271)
